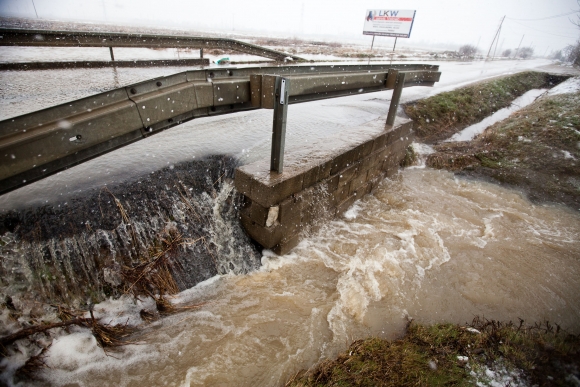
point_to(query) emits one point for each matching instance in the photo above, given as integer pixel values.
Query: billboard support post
(370, 53)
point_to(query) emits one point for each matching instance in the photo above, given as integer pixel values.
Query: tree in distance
(467, 50)
(525, 52)
(506, 52)
(572, 52)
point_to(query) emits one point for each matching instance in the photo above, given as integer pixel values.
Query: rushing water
(425, 245)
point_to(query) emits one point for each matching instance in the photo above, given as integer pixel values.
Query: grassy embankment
(439, 117)
(453, 355)
(535, 150)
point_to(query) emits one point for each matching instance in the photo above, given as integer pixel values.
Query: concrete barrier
(317, 184)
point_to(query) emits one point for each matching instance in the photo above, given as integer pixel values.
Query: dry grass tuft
(154, 276)
(166, 307)
(28, 372)
(147, 316)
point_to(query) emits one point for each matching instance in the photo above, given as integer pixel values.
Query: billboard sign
(395, 23)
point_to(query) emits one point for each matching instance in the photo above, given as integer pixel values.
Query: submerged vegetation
(485, 352)
(442, 115)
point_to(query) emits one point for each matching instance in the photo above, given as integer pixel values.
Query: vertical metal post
(372, 44)
(201, 53)
(279, 124)
(112, 56)
(395, 98)
(393, 53)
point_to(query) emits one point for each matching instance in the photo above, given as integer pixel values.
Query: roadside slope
(439, 117)
(535, 150)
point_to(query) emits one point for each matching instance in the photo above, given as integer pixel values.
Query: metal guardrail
(19, 66)
(277, 92)
(48, 38)
(41, 143)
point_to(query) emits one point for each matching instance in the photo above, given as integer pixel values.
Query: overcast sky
(443, 21)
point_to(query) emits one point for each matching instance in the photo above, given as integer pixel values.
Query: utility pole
(36, 13)
(495, 37)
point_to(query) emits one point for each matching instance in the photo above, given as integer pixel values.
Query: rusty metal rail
(41, 143)
(48, 38)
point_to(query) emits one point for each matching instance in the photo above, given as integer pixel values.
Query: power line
(544, 32)
(517, 31)
(545, 18)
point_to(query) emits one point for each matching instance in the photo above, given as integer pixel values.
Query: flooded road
(425, 245)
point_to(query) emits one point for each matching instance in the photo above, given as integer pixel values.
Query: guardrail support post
(112, 56)
(279, 124)
(400, 76)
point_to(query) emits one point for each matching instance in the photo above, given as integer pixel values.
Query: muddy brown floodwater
(425, 245)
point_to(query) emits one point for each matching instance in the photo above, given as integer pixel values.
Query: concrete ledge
(318, 183)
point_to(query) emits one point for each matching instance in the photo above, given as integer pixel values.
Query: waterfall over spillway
(74, 251)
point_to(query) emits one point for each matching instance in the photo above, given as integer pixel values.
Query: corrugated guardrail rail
(49, 38)
(38, 144)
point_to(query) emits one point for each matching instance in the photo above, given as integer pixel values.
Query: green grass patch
(454, 355)
(444, 114)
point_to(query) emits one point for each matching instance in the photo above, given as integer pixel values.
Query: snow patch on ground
(571, 85)
(568, 155)
(498, 376)
(470, 132)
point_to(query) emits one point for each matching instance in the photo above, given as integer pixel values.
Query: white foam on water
(122, 311)
(425, 245)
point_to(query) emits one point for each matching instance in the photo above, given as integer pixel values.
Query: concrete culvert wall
(317, 183)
